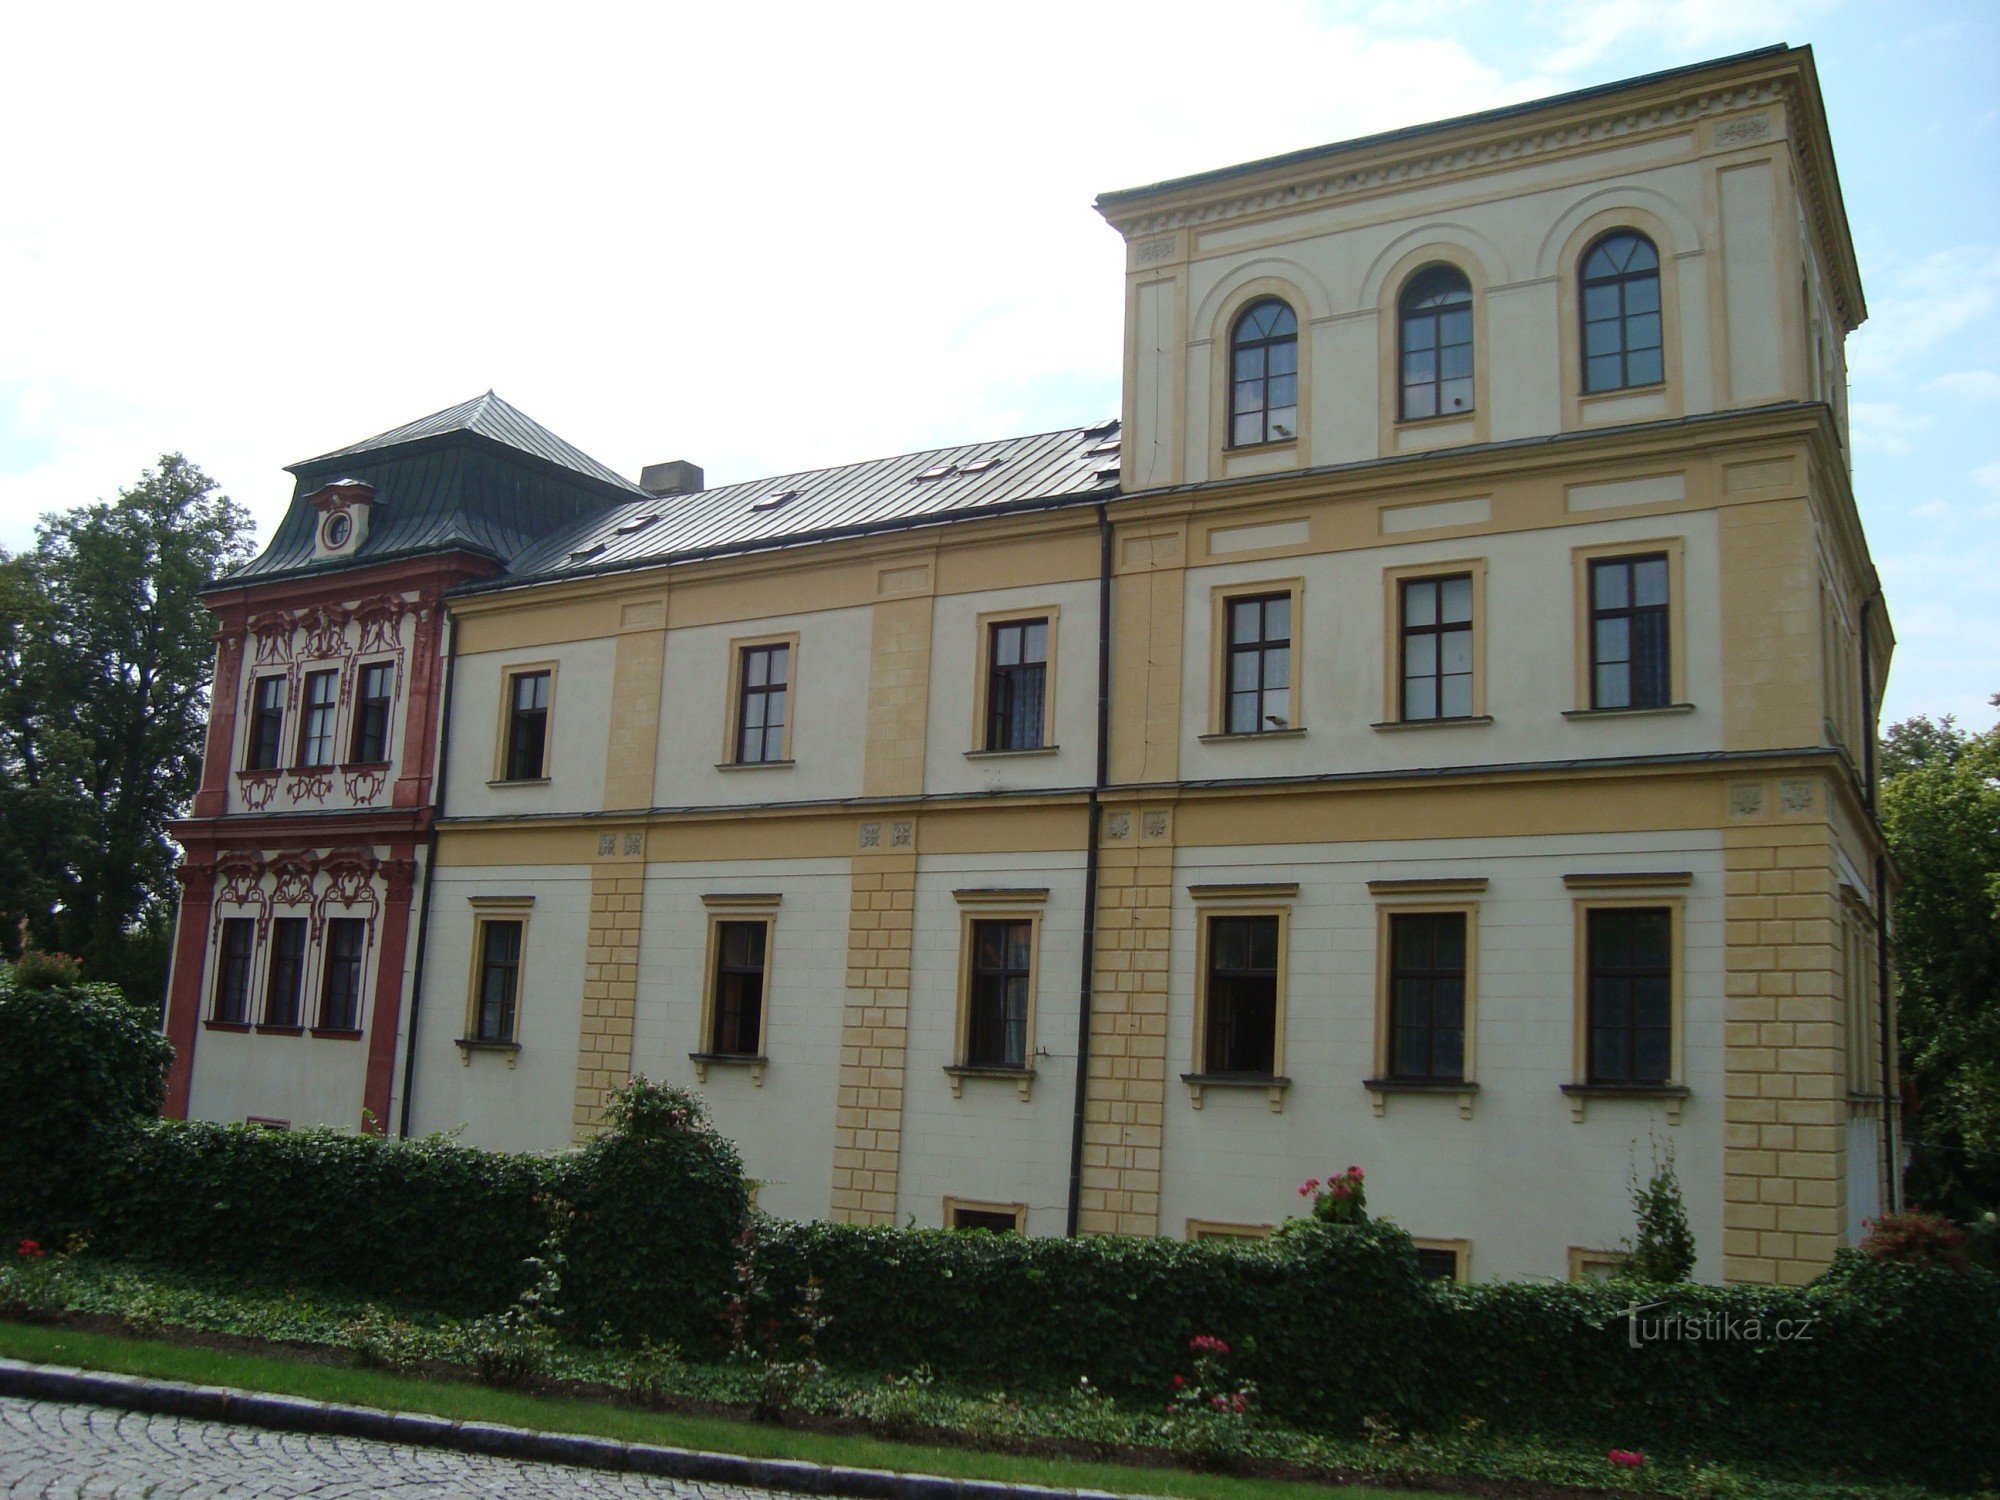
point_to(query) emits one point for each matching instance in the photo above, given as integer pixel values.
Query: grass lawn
(468, 1402)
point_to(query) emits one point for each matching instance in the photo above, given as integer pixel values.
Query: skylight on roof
(1109, 445)
(637, 523)
(980, 465)
(584, 554)
(1101, 428)
(942, 471)
(774, 502)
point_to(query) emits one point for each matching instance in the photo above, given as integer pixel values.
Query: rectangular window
(1436, 615)
(1427, 996)
(1017, 668)
(340, 991)
(1630, 664)
(316, 728)
(1441, 1260)
(267, 725)
(499, 981)
(996, 1029)
(232, 974)
(742, 953)
(764, 688)
(287, 980)
(1629, 966)
(1240, 1034)
(527, 726)
(371, 713)
(992, 1218)
(1257, 664)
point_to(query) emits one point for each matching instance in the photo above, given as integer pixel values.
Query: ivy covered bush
(80, 1073)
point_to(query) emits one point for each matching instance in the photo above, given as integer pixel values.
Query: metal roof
(941, 483)
(489, 417)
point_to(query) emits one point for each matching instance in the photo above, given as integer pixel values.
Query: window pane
(1284, 421)
(1646, 367)
(1608, 585)
(1420, 655)
(1457, 651)
(1250, 396)
(1035, 642)
(1600, 303)
(1457, 700)
(1420, 698)
(1456, 601)
(1278, 668)
(1249, 364)
(1418, 403)
(1455, 362)
(1456, 395)
(1284, 358)
(1613, 640)
(1613, 687)
(1245, 617)
(1420, 603)
(1006, 645)
(1649, 581)
(1601, 338)
(1248, 429)
(1278, 619)
(1642, 295)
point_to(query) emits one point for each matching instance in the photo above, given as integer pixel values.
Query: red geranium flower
(1625, 1458)
(30, 1250)
(1308, 1187)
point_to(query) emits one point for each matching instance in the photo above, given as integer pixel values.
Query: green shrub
(427, 1221)
(80, 1072)
(1324, 1320)
(659, 1201)
(1664, 1249)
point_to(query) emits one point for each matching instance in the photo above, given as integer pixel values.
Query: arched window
(1264, 375)
(1621, 313)
(1435, 329)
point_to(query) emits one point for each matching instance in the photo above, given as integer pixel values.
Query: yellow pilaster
(868, 1112)
(899, 671)
(610, 981)
(631, 747)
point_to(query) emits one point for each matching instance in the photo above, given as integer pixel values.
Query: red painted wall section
(212, 800)
(386, 1023)
(184, 1001)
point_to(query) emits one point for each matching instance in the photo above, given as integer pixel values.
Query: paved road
(56, 1449)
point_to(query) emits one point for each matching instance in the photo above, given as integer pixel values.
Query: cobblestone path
(53, 1449)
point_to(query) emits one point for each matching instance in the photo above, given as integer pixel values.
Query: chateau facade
(1431, 728)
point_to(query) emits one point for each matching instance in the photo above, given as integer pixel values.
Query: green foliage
(1940, 809)
(1663, 1250)
(80, 1072)
(659, 1200)
(1930, 1241)
(1034, 1313)
(426, 1220)
(105, 658)
(1341, 1199)
(36, 970)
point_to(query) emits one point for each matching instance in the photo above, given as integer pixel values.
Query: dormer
(343, 508)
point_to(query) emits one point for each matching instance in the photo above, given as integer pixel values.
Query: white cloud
(1929, 302)
(1883, 426)
(1972, 385)
(1987, 477)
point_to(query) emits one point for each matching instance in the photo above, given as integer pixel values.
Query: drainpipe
(1100, 780)
(1890, 1185)
(1868, 709)
(430, 870)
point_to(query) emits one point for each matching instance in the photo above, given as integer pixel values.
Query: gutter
(1090, 853)
(1885, 1016)
(430, 872)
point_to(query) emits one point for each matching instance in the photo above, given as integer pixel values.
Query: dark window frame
(727, 993)
(1253, 353)
(265, 749)
(369, 744)
(1437, 630)
(1625, 285)
(1436, 304)
(999, 997)
(1437, 981)
(317, 719)
(1650, 685)
(1266, 648)
(1232, 1036)
(975, 1220)
(235, 952)
(496, 1016)
(1602, 977)
(527, 747)
(343, 976)
(1017, 691)
(772, 654)
(285, 980)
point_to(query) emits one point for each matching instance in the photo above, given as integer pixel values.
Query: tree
(105, 660)
(1941, 814)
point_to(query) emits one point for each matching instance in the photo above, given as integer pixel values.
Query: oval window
(339, 527)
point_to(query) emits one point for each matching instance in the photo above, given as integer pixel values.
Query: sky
(781, 236)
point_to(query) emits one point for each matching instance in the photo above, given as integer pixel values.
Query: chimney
(678, 477)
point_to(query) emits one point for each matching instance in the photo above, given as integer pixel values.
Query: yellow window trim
(1583, 1262)
(1385, 912)
(1219, 598)
(1581, 558)
(1206, 911)
(1461, 1251)
(500, 740)
(1019, 1211)
(732, 738)
(1025, 907)
(1393, 580)
(1569, 311)
(1676, 908)
(485, 910)
(763, 910)
(1389, 344)
(1219, 1229)
(983, 674)
(1232, 307)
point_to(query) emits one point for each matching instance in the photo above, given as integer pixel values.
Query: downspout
(1100, 780)
(1887, 1024)
(1868, 709)
(430, 870)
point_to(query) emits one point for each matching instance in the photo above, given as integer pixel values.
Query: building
(1432, 728)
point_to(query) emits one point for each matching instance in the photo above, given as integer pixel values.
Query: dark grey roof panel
(934, 485)
(489, 417)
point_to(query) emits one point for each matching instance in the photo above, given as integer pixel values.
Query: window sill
(1586, 398)
(1243, 735)
(1274, 1083)
(338, 1033)
(273, 1029)
(503, 783)
(1022, 1078)
(242, 1026)
(1463, 1088)
(1462, 721)
(260, 773)
(703, 1061)
(1628, 713)
(351, 766)
(326, 768)
(754, 765)
(1439, 419)
(467, 1045)
(1674, 1095)
(1271, 445)
(1011, 754)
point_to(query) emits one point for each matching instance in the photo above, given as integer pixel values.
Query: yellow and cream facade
(1397, 741)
